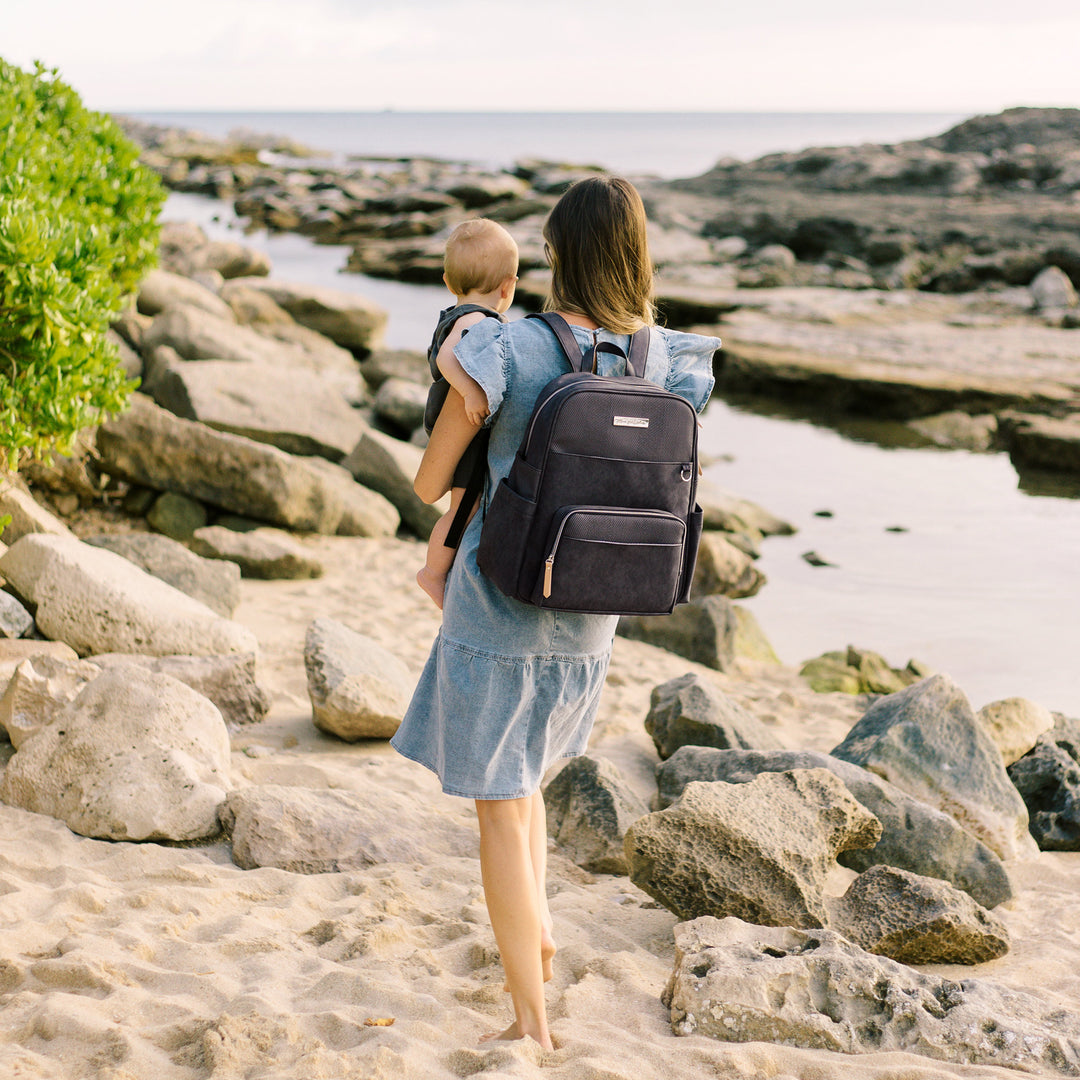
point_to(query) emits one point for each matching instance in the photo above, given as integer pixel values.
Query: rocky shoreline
(906, 281)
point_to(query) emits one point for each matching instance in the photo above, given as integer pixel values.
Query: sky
(964, 56)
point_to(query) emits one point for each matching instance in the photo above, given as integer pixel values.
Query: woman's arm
(452, 433)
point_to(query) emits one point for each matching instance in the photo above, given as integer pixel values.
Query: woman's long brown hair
(599, 254)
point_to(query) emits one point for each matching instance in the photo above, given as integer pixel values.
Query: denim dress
(509, 688)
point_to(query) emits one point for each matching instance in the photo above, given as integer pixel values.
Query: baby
(480, 269)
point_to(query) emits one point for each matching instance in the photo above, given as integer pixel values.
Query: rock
(731, 513)
(253, 307)
(589, 809)
(704, 631)
(914, 836)
(215, 584)
(958, 429)
(385, 364)
(176, 516)
(1052, 290)
(161, 289)
(14, 652)
(269, 554)
(1048, 779)
(401, 403)
(927, 741)
(148, 445)
(97, 601)
(364, 512)
(136, 756)
(759, 851)
(722, 568)
(197, 335)
(1044, 442)
(290, 409)
(38, 690)
(228, 681)
(345, 318)
(750, 640)
(325, 832)
(129, 359)
(15, 620)
(358, 690)
(27, 515)
(690, 712)
(1014, 725)
(830, 673)
(69, 474)
(917, 920)
(742, 983)
(388, 466)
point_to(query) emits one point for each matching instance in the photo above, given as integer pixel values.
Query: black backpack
(598, 514)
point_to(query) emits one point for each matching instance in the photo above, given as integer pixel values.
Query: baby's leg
(432, 578)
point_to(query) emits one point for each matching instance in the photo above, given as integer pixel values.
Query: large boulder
(742, 983)
(388, 466)
(14, 652)
(323, 832)
(723, 569)
(227, 681)
(358, 690)
(215, 584)
(731, 513)
(162, 289)
(269, 554)
(349, 320)
(704, 631)
(1014, 725)
(364, 512)
(1048, 779)
(97, 601)
(136, 756)
(914, 836)
(26, 513)
(759, 851)
(589, 809)
(148, 445)
(690, 711)
(287, 408)
(927, 741)
(917, 920)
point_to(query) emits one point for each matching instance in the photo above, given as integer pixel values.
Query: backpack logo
(631, 421)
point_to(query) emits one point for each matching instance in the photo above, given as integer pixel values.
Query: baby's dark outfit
(476, 451)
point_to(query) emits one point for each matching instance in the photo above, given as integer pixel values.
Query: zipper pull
(549, 564)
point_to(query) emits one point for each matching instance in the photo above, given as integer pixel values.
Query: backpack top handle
(639, 346)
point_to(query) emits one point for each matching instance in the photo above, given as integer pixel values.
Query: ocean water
(665, 144)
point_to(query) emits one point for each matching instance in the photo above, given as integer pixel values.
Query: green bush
(78, 229)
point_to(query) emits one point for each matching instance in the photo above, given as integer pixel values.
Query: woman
(509, 688)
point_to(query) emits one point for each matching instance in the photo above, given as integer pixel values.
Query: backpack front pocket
(612, 561)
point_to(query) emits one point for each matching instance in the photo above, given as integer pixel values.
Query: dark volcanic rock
(1048, 779)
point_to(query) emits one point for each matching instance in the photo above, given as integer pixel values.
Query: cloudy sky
(773, 55)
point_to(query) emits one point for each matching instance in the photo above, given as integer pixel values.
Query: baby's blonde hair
(480, 256)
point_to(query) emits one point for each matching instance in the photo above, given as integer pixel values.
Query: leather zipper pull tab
(549, 565)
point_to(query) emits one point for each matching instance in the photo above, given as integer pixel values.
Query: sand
(155, 962)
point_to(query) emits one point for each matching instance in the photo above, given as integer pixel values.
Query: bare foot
(433, 584)
(512, 1033)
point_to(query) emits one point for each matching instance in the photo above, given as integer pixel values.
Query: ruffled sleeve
(690, 371)
(482, 353)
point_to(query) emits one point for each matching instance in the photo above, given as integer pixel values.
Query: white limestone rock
(136, 756)
(98, 601)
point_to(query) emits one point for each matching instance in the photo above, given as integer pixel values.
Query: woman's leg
(538, 841)
(510, 890)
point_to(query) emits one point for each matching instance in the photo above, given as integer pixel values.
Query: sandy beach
(126, 961)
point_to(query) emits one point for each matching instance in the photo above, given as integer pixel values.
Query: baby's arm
(450, 437)
(476, 404)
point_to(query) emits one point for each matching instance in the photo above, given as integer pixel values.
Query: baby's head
(481, 261)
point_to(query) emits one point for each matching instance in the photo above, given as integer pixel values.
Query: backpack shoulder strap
(639, 353)
(635, 361)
